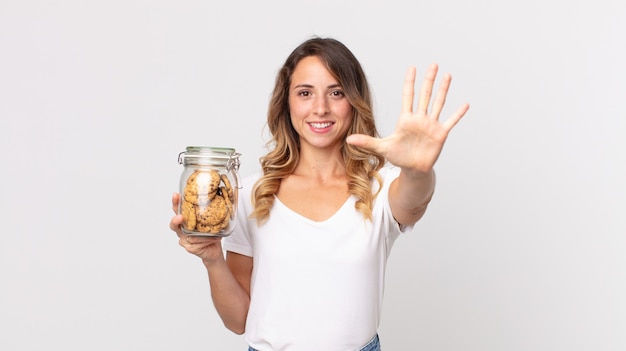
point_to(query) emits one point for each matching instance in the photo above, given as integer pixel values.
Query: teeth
(320, 125)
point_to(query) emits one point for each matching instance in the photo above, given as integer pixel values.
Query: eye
(304, 93)
(337, 93)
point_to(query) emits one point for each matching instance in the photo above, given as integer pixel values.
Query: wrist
(417, 175)
(212, 263)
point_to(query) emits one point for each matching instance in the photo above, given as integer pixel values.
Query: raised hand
(419, 136)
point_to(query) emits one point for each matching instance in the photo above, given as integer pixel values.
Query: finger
(366, 142)
(187, 241)
(427, 89)
(456, 117)
(175, 224)
(204, 240)
(440, 99)
(408, 90)
(175, 202)
(183, 241)
(197, 242)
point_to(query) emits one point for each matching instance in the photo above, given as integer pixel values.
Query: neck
(321, 164)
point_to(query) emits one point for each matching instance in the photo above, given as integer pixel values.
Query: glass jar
(209, 188)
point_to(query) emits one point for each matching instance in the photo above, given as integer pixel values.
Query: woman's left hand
(419, 136)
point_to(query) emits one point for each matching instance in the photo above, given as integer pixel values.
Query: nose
(320, 106)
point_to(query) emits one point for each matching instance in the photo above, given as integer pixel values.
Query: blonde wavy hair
(361, 166)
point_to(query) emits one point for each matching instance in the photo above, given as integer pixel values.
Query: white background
(523, 247)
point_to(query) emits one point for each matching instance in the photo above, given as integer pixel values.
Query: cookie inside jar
(207, 203)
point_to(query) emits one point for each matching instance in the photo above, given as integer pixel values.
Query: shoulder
(389, 171)
(387, 174)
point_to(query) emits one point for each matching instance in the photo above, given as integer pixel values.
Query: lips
(320, 125)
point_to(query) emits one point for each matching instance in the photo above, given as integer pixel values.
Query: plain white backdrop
(523, 247)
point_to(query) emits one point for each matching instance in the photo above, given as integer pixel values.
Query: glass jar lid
(210, 156)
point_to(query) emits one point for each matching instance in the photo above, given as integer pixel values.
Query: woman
(304, 269)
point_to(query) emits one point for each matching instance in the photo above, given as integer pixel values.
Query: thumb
(364, 141)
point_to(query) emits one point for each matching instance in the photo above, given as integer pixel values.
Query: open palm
(419, 136)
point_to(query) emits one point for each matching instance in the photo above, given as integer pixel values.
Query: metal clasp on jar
(233, 165)
(233, 162)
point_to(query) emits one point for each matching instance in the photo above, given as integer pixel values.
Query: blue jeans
(373, 345)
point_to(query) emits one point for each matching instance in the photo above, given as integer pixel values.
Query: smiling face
(320, 112)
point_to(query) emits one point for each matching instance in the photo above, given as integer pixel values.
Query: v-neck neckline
(342, 208)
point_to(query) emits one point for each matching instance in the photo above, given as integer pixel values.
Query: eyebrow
(305, 85)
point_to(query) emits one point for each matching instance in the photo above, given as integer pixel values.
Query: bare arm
(229, 278)
(410, 194)
(230, 289)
